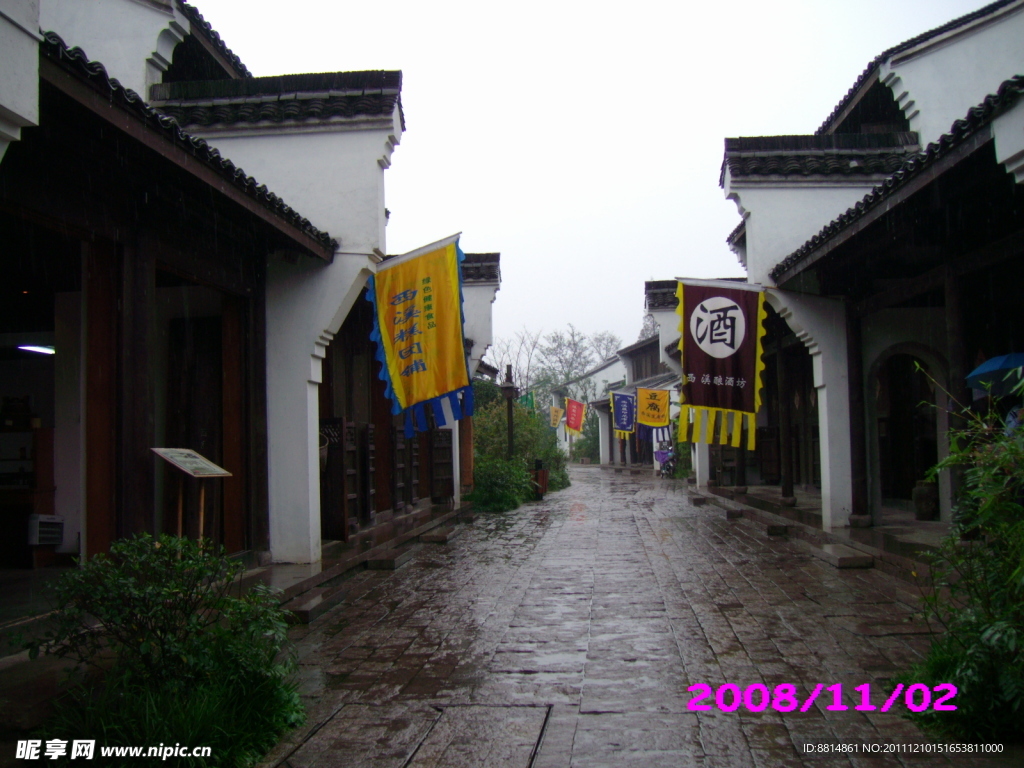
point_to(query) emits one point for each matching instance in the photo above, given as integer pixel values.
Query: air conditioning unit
(45, 530)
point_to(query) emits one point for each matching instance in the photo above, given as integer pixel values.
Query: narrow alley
(566, 633)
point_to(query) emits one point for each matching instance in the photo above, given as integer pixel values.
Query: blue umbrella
(992, 374)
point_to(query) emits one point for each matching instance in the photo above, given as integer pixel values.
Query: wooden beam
(101, 105)
(910, 188)
(983, 258)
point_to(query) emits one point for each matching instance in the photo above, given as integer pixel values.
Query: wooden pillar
(785, 426)
(741, 455)
(466, 453)
(956, 350)
(135, 396)
(858, 439)
(100, 439)
(257, 491)
(233, 423)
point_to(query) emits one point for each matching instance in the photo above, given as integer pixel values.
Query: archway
(907, 422)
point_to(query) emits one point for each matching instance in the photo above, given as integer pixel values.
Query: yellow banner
(556, 416)
(652, 407)
(419, 319)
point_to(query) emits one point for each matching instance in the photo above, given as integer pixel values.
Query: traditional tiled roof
(660, 294)
(734, 236)
(75, 61)
(905, 46)
(860, 154)
(482, 268)
(638, 345)
(322, 96)
(203, 27)
(977, 117)
(657, 381)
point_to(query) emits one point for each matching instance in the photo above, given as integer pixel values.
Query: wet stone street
(567, 632)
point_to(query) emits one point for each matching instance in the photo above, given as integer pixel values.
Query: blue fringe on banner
(416, 415)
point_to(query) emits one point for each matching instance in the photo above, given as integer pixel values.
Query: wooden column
(100, 282)
(135, 396)
(858, 439)
(466, 453)
(785, 426)
(233, 423)
(956, 350)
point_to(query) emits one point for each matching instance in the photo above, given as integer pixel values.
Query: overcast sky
(581, 140)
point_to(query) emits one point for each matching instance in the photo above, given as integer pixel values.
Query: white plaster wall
(133, 39)
(920, 332)
(603, 378)
(605, 427)
(336, 180)
(668, 333)
(937, 83)
(19, 83)
(782, 216)
(477, 301)
(820, 324)
(306, 303)
(1008, 131)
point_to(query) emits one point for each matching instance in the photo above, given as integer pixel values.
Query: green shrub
(977, 595)
(533, 439)
(157, 619)
(500, 485)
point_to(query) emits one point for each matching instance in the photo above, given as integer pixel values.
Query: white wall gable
(783, 215)
(133, 39)
(937, 82)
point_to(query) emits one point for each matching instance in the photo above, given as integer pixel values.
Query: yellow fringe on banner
(723, 436)
(620, 435)
(751, 431)
(737, 429)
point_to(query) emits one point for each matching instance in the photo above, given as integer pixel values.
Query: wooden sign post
(199, 467)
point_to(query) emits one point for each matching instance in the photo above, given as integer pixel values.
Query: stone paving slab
(568, 632)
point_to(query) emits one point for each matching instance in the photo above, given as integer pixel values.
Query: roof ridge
(977, 117)
(949, 26)
(54, 47)
(197, 20)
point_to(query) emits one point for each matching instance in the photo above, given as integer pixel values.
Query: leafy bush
(588, 445)
(157, 618)
(977, 595)
(533, 439)
(500, 485)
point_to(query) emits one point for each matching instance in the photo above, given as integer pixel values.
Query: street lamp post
(508, 389)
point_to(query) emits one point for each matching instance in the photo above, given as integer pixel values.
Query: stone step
(312, 603)
(838, 555)
(442, 535)
(770, 527)
(390, 559)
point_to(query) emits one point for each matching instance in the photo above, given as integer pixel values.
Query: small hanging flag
(556, 416)
(623, 414)
(574, 414)
(652, 407)
(418, 329)
(527, 400)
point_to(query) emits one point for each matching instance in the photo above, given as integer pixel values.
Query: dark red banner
(720, 339)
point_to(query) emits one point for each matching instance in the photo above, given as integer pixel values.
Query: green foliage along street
(976, 599)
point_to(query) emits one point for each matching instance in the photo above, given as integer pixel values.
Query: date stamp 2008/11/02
(917, 697)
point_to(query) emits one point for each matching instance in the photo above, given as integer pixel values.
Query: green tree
(977, 589)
